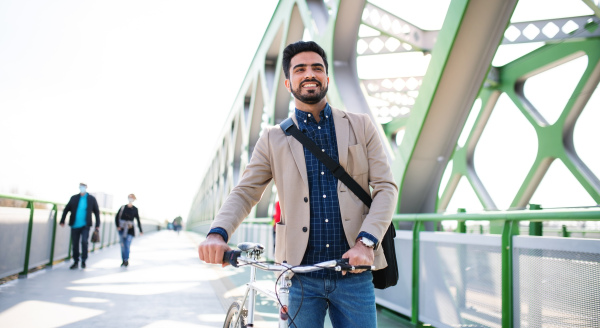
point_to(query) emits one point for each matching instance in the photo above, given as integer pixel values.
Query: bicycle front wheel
(234, 309)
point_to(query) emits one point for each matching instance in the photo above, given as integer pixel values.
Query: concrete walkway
(165, 285)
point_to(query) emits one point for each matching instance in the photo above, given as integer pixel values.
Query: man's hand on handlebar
(212, 249)
(359, 255)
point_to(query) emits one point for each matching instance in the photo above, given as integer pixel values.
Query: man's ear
(287, 84)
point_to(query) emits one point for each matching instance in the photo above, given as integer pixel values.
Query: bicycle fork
(281, 298)
(284, 297)
(250, 291)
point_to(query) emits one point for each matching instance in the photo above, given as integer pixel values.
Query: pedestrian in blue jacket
(81, 207)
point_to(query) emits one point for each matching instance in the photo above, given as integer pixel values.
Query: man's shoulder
(352, 115)
(359, 121)
(274, 132)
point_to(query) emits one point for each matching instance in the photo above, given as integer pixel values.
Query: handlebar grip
(345, 266)
(231, 257)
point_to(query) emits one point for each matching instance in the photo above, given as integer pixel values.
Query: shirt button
(327, 245)
(326, 220)
(319, 128)
(304, 121)
(308, 115)
(323, 150)
(304, 229)
(326, 116)
(322, 173)
(324, 196)
(306, 199)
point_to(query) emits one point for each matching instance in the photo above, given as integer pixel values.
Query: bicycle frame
(252, 288)
(281, 293)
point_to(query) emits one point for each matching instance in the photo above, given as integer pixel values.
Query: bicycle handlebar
(233, 256)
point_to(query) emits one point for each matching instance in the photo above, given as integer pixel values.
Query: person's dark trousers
(80, 234)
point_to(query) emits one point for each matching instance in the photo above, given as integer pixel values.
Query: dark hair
(301, 46)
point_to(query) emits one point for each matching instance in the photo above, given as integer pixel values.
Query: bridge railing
(521, 277)
(457, 278)
(29, 237)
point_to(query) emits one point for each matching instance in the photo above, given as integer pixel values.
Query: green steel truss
(555, 141)
(459, 73)
(422, 136)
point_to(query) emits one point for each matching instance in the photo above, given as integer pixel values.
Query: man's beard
(311, 98)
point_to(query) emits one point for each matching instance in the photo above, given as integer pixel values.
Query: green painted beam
(458, 68)
(554, 140)
(590, 214)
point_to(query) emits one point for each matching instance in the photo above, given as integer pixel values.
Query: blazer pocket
(280, 241)
(357, 160)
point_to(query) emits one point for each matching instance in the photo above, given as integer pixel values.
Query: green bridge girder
(438, 123)
(460, 73)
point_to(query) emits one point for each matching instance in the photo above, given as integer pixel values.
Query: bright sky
(129, 96)
(122, 95)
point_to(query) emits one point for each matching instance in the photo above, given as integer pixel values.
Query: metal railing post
(28, 245)
(417, 227)
(461, 295)
(462, 224)
(565, 232)
(55, 210)
(535, 228)
(511, 228)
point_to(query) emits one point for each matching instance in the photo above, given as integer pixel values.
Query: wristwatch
(367, 242)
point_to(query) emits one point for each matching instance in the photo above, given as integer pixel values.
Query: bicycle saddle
(248, 246)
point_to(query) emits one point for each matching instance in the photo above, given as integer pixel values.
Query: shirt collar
(303, 118)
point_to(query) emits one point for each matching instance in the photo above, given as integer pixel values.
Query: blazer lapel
(298, 154)
(342, 131)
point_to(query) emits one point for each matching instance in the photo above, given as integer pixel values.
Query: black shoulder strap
(290, 129)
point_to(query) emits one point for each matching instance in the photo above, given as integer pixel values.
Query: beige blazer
(281, 158)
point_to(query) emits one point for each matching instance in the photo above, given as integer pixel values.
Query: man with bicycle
(321, 219)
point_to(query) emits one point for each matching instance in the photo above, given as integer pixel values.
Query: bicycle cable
(279, 300)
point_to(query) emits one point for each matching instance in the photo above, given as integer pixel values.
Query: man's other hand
(359, 255)
(212, 249)
(62, 224)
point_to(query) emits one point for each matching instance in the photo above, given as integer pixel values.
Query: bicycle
(240, 317)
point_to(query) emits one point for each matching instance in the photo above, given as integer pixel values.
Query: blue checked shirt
(326, 240)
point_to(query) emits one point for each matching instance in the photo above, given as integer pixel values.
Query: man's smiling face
(308, 80)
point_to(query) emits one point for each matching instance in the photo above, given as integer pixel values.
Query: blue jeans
(350, 300)
(125, 246)
(80, 234)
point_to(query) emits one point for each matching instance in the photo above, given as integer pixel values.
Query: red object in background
(277, 215)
